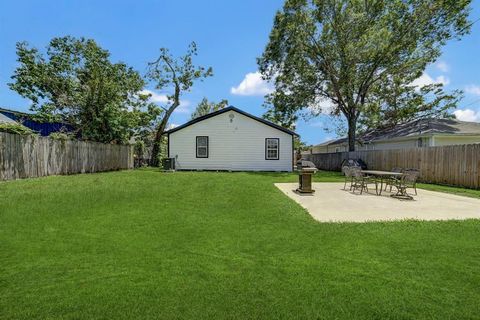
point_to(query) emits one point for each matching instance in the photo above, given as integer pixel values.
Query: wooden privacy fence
(33, 156)
(457, 165)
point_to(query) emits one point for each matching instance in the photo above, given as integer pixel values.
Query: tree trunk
(154, 161)
(352, 133)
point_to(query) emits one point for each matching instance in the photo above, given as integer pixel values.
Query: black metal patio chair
(360, 181)
(407, 181)
(348, 173)
(392, 181)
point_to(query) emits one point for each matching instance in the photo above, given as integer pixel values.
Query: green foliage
(62, 136)
(358, 56)
(139, 148)
(283, 116)
(205, 107)
(181, 73)
(15, 128)
(178, 74)
(75, 82)
(286, 118)
(405, 103)
(300, 145)
(163, 154)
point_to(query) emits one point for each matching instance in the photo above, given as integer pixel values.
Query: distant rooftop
(2, 110)
(43, 128)
(5, 119)
(417, 128)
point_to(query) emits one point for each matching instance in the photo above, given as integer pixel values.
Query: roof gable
(231, 108)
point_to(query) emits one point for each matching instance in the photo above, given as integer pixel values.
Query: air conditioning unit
(168, 164)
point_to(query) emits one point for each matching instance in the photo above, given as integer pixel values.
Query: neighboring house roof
(331, 142)
(425, 127)
(44, 128)
(231, 108)
(5, 119)
(415, 129)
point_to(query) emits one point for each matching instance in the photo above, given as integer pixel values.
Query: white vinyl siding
(400, 144)
(454, 140)
(236, 144)
(377, 145)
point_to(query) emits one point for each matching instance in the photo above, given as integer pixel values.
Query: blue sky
(229, 34)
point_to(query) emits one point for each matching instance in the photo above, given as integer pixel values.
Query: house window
(272, 148)
(202, 147)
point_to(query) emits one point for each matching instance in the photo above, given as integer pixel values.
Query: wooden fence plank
(33, 156)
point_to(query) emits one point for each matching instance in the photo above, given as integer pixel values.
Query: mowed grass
(149, 245)
(449, 189)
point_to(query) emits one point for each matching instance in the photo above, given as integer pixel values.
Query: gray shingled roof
(5, 119)
(417, 128)
(332, 142)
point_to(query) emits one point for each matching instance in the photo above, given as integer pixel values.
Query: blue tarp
(43, 128)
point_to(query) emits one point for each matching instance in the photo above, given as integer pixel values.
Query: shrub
(15, 128)
(62, 136)
(139, 148)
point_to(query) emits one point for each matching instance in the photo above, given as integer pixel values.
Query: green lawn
(149, 245)
(454, 190)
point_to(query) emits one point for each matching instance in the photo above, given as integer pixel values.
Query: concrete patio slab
(330, 203)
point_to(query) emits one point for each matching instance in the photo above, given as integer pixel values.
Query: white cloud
(467, 115)
(473, 89)
(442, 66)
(155, 97)
(162, 99)
(425, 79)
(171, 126)
(252, 85)
(443, 80)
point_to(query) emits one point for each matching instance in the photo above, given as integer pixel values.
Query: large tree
(205, 107)
(75, 82)
(359, 55)
(177, 75)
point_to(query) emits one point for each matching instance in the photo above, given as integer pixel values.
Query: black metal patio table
(382, 175)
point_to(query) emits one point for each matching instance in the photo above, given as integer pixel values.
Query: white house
(415, 134)
(231, 139)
